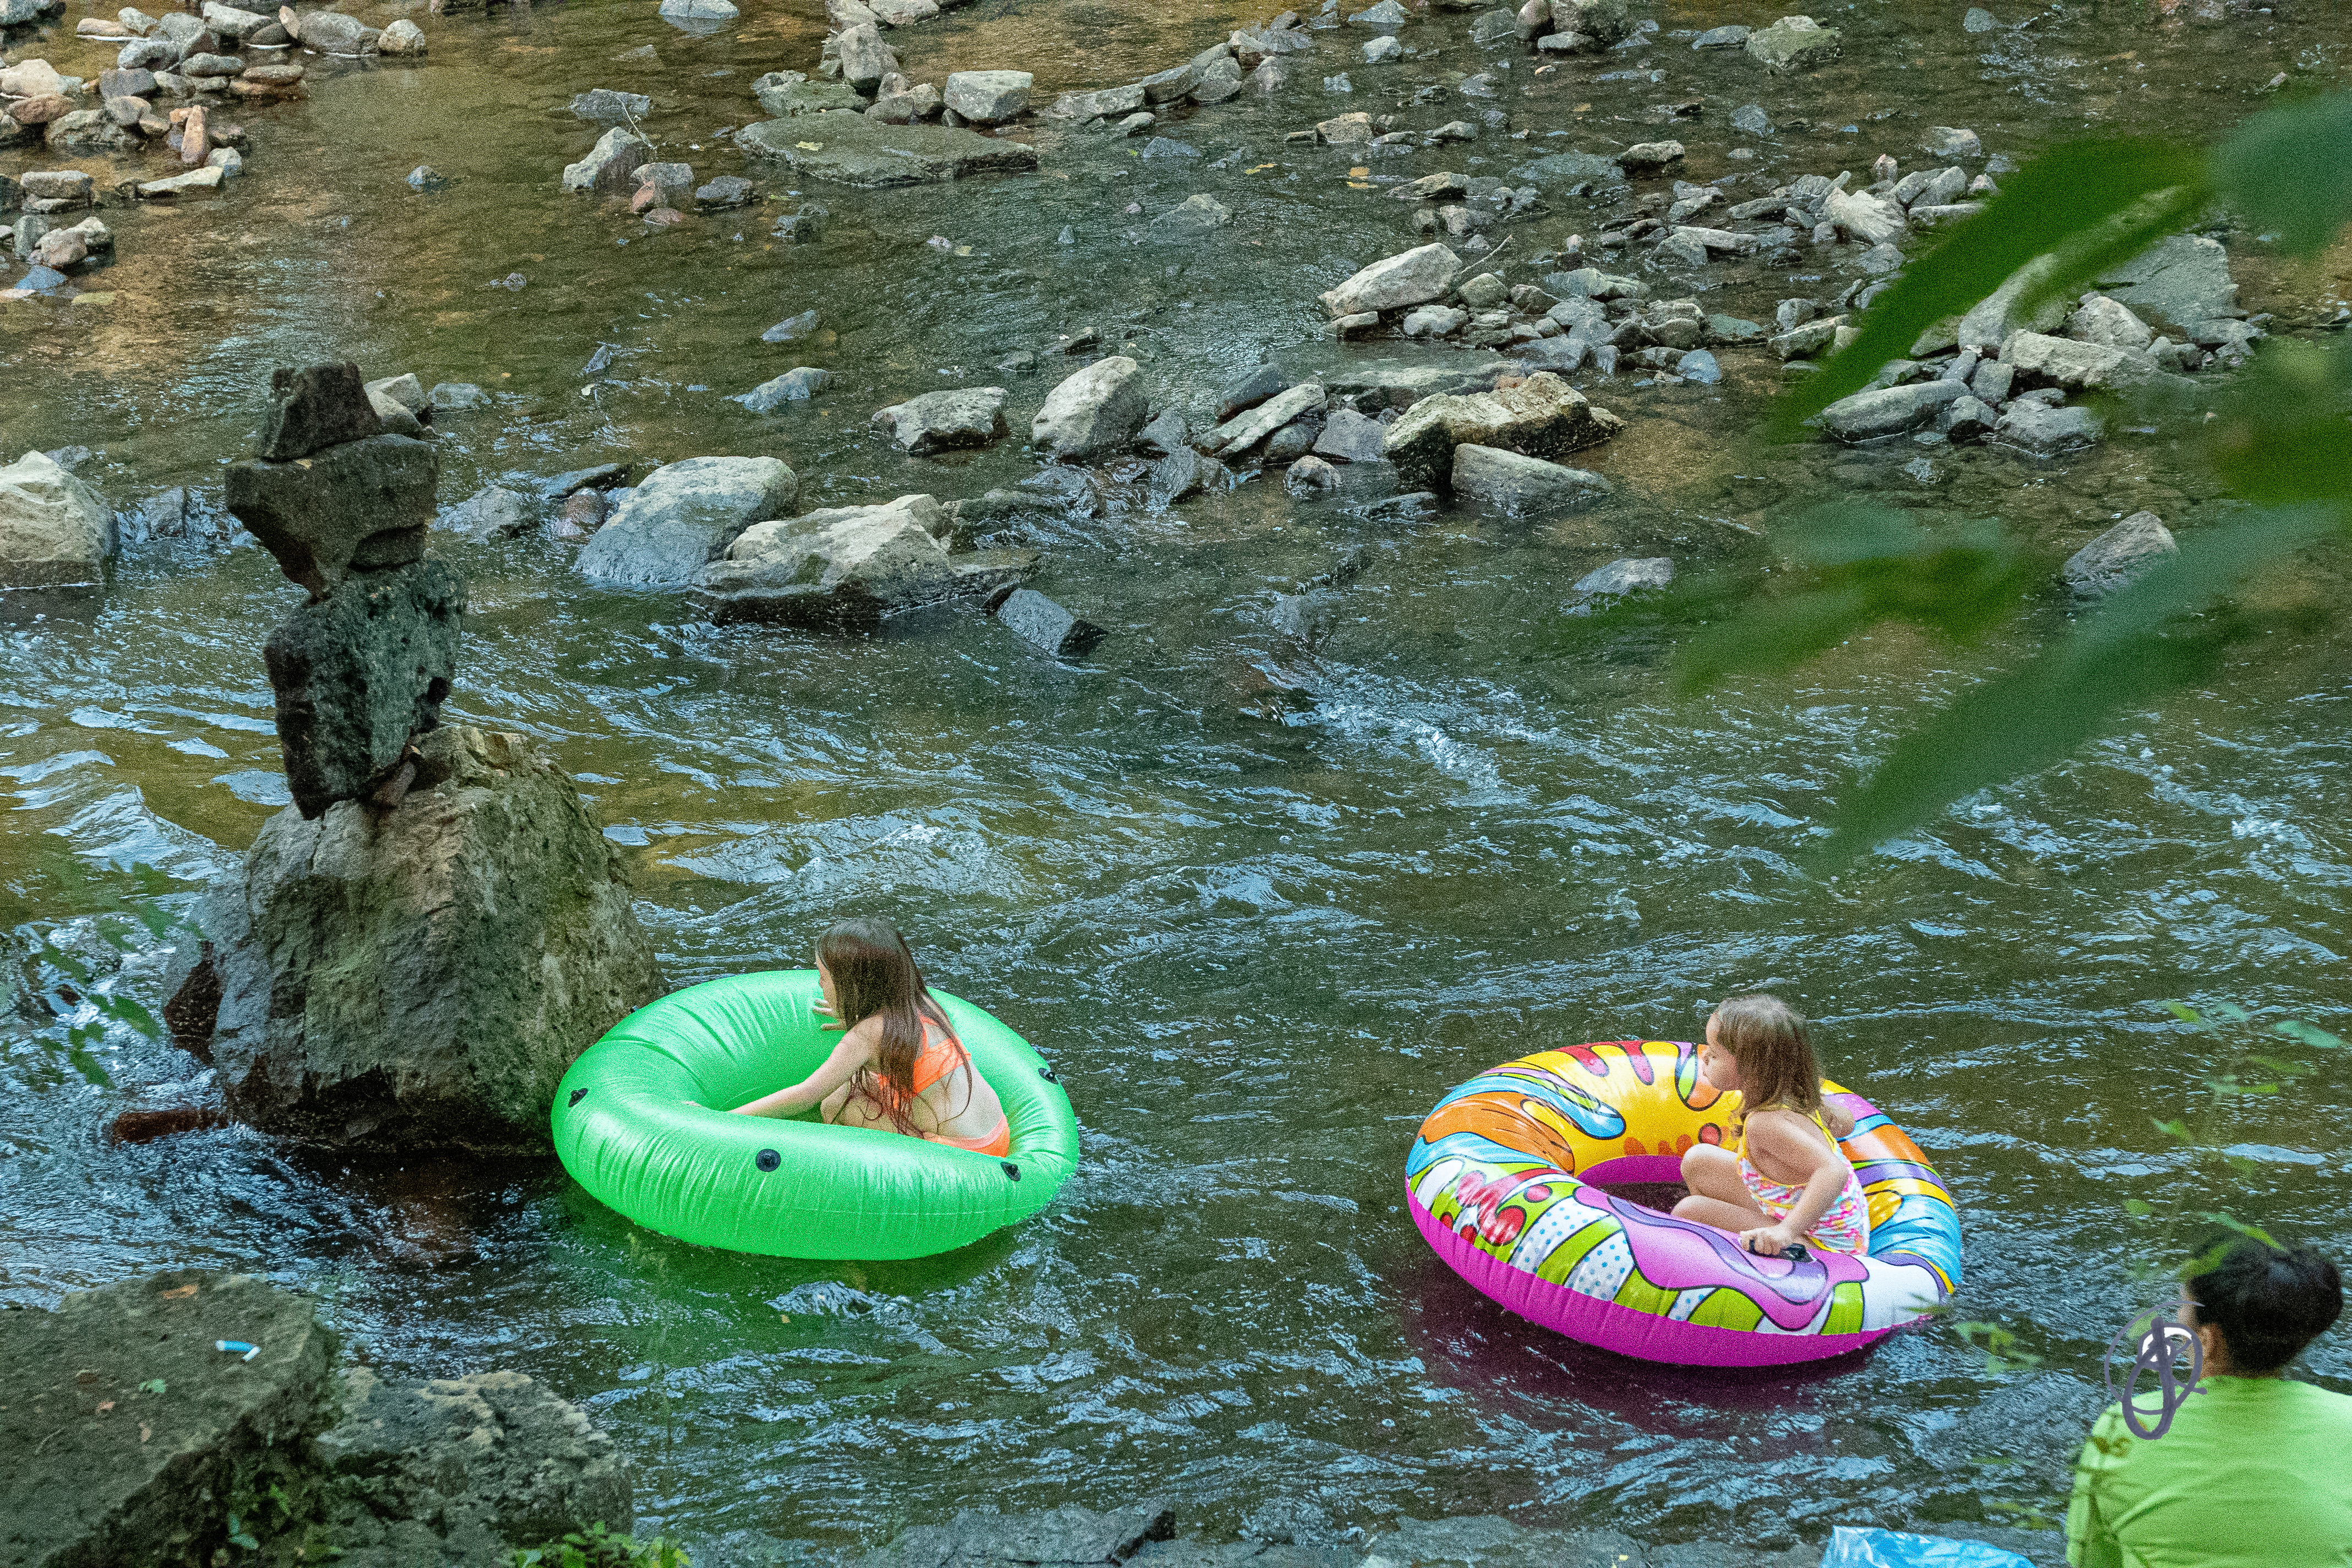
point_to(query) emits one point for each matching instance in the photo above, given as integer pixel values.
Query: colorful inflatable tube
(1497, 1179)
(640, 1121)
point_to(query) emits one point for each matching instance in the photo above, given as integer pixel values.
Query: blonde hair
(1777, 1067)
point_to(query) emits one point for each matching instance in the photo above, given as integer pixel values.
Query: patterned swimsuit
(1844, 1226)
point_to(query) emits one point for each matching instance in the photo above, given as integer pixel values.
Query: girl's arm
(1825, 1172)
(1841, 1120)
(838, 1068)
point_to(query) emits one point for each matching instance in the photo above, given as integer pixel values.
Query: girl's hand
(1769, 1241)
(822, 1011)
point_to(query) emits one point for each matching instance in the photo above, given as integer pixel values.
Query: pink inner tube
(1499, 1184)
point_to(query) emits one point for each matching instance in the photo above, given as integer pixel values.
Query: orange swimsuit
(941, 1054)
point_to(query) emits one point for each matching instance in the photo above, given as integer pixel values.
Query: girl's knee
(1696, 1158)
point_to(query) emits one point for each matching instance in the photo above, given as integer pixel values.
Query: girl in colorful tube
(1789, 1183)
(899, 1067)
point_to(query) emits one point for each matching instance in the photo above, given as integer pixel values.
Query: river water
(1261, 905)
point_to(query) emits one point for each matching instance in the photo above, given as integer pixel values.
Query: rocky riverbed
(1113, 488)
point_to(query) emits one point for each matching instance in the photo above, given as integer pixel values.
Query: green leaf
(2137, 1208)
(2281, 437)
(87, 1065)
(2232, 1224)
(2296, 1029)
(2175, 1129)
(2037, 714)
(2085, 205)
(124, 1010)
(2290, 169)
(2186, 1013)
(152, 1385)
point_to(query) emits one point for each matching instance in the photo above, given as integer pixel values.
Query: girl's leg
(1717, 1196)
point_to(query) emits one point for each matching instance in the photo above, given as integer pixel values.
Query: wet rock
(431, 1034)
(852, 150)
(358, 673)
(725, 190)
(1344, 130)
(1040, 622)
(1382, 50)
(1648, 157)
(1238, 435)
(840, 566)
(1184, 472)
(1976, 19)
(361, 505)
(400, 39)
(121, 83)
(987, 97)
(2119, 557)
(1873, 220)
(606, 169)
(1930, 187)
(2042, 431)
(1700, 367)
(792, 329)
(904, 13)
(1109, 102)
(1889, 411)
(424, 178)
(1351, 438)
(920, 102)
(864, 59)
(1160, 148)
(464, 1470)
(1793, 44)
(583, 514)
(1730, 37)
(1310, 476)
(1519, 483)
(788, 93)
(1388, 16)
(1169, 85)
(491, 512)
(944, 421)
(1190, 219)
(1093, 413)
(683, 517)
(698, 16)
(1751, 119)
(795, 386)
(1952, 141)
(99, 1469)
(54, 530)
(1993, 320)
(330, 32)
(2182, 283)
(2043, 361)
(1167, 432)
(1400, 282)
(611, 107)
(1543, 416)
(447, 396)
(1620, 578)
(2108, 324)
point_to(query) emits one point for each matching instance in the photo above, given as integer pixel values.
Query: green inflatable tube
(641, 1122)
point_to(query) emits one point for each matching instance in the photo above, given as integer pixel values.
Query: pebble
(1976, 19)
(1382, 49)
(423, 178)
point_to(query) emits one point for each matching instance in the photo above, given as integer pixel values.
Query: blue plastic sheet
(1851, 1548)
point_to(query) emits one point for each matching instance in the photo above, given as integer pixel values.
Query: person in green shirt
(2255, 1471)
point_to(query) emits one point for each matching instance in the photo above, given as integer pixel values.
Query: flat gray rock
(852, 150)
(2182, 283)
(490, 512)
(2042, 431)
(664, 532)
(2119, 556)
(1070, 1534)
(1887, 411)
(1519, 483)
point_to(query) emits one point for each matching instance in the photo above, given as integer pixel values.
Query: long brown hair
(1777, 1069)
(874, 974)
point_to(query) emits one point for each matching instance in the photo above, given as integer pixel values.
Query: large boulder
(361, 505)
(2183, 283)
(2039, 360)
(940, 421)
(128, 1438)
(462, 1471)
(1543, 416)
(683, 517)
(1398, 283)
(420, 976)
(54, 529)
(851, 565)
(853, 150)
(358, 673)
(1092, 413)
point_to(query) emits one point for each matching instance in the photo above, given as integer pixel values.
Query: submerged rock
(54, 530)
(683, 517)
(416, 977)
(2120, 556)
(610, 164)
(853, 150)
(1519, 483)
(987, 97)
(1628, 575)
(795, 386)
(1043, 624)
(491, 512)
(1794, 42)
(848, 566)
(603, 104)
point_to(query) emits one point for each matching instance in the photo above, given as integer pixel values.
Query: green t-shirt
(2256, 1472)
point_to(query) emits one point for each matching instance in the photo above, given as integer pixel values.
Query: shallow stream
(1260, 904)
